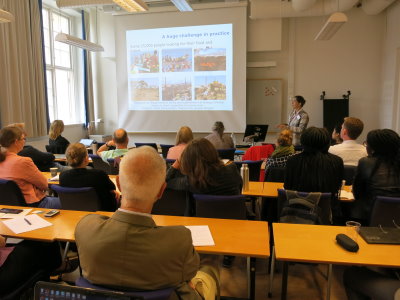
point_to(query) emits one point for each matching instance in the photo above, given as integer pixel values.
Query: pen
(27, 221)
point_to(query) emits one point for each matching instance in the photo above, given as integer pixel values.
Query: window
(65, 102)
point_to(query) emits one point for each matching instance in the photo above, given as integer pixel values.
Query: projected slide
(180, 68)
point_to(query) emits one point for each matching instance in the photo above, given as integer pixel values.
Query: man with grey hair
(120, 141)
(350, 151)
(128, 250)
(218, 138)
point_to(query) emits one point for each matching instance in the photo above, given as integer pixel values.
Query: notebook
(381, 235)
(54, 291)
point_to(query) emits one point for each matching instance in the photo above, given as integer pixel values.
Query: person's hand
(110, 143)
(2, 241)
(176, 164)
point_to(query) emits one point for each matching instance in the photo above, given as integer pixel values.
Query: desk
(317, 244)
(231, 237)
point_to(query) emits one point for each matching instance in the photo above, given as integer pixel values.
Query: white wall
(351, 60)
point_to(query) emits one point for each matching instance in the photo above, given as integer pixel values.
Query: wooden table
(317, 244)
(231, 237)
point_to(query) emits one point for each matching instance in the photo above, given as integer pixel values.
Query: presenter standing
(298, 119)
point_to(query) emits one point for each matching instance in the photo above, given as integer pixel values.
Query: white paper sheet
(346, 194)
(55, 178)
(12, 216)
(20, 225)
(201, 235)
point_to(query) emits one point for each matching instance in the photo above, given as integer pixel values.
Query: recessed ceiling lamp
(335, 21)
(77, 42)
(132, 5)
(182, 5)
(5, 16)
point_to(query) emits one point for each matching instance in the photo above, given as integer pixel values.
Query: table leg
(251, 277)
(284, 280)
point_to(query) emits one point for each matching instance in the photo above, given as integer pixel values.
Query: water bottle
(244, 172)
(233, 139)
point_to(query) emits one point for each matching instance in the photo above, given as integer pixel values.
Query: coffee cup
(352, 229)
(53, 171)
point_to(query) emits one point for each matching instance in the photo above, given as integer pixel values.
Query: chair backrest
(162, 294)
(99, 163)
(228, 153)
(275, 174)
(169, 162)
(254, 168)
(84, 198)
(10, 193)
(386, 212)
(154, 145)
(324, 204)
(172, 203)
(223, 207)
(55, 149)
(349, 173)
(114, 165)
(164, 149)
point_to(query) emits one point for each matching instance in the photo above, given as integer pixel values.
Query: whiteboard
(264, 102)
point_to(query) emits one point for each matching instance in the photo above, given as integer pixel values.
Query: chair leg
(329, 283)
(65, 251)
(271, 274)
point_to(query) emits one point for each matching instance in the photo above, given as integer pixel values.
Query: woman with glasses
(32, 183)
(378, 174)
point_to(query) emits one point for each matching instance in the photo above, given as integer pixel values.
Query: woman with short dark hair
(378, 174)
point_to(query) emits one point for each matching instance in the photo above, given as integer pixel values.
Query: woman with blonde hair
(80, 176)
(32, 183)
(183, 137)
(57, 143)
(284, 149)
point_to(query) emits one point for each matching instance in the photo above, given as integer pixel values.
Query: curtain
(22, 83)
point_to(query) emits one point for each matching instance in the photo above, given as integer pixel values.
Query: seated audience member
(57, 143)
(22, 170)
(284, 149)
(201, 171)
(128, 250)
(314, 169)
(80, 176)
(183, 137)
(218, 138)
(21, 261)
(43, 160)
(362, 283)
(350, 151)
(336, 139)
(120, 140)
(378, 174)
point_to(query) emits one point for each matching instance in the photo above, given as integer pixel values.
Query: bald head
(142, 178)
(120, 137)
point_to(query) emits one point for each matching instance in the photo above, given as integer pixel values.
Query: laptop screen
(54, 291)
(86, 142)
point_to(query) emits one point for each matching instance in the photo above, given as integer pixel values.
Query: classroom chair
(100, 164)
(386, 212)
(172, 203)
(165, 149)
(11, 193)
(228, 153)
(162, 294)
(84, 198)
(349, 173)
(114, 165)
(218, 206)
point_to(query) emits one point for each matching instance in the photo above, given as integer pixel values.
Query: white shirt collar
(135, 213)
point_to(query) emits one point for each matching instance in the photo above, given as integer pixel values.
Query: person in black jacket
(57, 143)
(80, 176)
(378, 174)
(314, 169)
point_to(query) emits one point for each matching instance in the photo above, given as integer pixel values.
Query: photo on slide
(210, 59)
(177, 60)
(210, 87)
(176, 88)
(145, 89)
(144, 62)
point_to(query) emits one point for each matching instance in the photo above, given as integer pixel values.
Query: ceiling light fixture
(81, 3)
(5, 16)
(182, 5)
(77, 42)
(132, 5)
(335, 21)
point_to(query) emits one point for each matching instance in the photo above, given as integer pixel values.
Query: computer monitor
(255, 133)
(47, 290)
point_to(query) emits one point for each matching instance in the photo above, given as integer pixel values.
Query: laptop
(54, 291)
(86, 142)
(381, 235)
